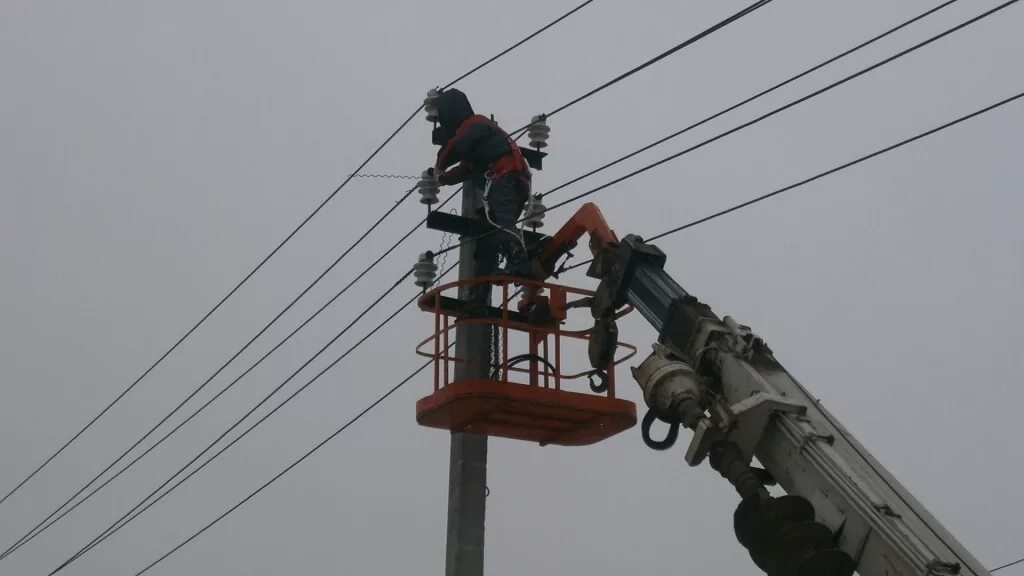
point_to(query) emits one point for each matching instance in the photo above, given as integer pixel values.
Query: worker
(488, 156)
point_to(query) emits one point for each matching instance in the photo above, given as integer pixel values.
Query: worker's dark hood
(452, 110)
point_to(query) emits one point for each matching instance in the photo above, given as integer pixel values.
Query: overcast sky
(152, 152)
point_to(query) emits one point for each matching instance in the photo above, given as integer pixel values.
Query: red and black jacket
(475, 142)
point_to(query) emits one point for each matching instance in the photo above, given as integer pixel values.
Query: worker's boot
(518, 263)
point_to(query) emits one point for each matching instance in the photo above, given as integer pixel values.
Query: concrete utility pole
(467, 474)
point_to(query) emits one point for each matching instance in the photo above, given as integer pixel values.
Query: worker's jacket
(476, 143)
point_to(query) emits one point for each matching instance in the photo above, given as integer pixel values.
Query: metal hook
(664, 444)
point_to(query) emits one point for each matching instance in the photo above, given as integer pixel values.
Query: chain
(446, 242)
(496, 338)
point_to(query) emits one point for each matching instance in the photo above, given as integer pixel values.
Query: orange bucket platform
(524, 398)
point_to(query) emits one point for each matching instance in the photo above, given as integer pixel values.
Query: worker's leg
(505, 205)
(505, 201)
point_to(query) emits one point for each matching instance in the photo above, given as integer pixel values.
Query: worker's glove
(438, 137)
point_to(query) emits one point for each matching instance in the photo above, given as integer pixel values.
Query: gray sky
(151, 153)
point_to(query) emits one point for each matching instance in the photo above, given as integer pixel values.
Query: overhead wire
(893, 57)
(517, 44)
(655, 59)
(823, 174)
(271, 254)
(1014, 563)
(49, 521)
(209, 313)
(791, 104)
(802, 182)
(30, 534)
(252, 410)
(756, 96)
(142, 505)
(762, 117)
(651, 61)
(839, 168)
(288, 468)
(576, 100)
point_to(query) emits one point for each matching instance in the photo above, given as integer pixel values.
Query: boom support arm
(843, 510)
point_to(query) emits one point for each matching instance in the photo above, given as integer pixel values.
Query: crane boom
(843, 511)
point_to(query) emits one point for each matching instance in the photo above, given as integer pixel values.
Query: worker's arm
(460, 146)
(456, 175)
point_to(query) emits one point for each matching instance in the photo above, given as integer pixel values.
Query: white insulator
(428, 188)
(430, 104)
(538, 132)
(424, 270)
(535, 210)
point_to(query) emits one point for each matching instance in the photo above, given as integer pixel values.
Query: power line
(210, 378)
(793, 103)
(764, 92)
(805, 181)
(622, 76)
(649, 62)
(645, 64)
(1007, 565)
(142, 506)
(518, 44)
(210, 312)
(821, 175)
(659, 57)
(277, 476)
(837, 168)
(632, 71)
(760, 118)
(254, 408)
(271, 254)
(655, 59)
(40, 528)
(563, 107)
(748, 100)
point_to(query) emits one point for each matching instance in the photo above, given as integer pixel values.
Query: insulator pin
(424, 270)
(535, 210)
(428, 188)
(430, 104)
(539, 132)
